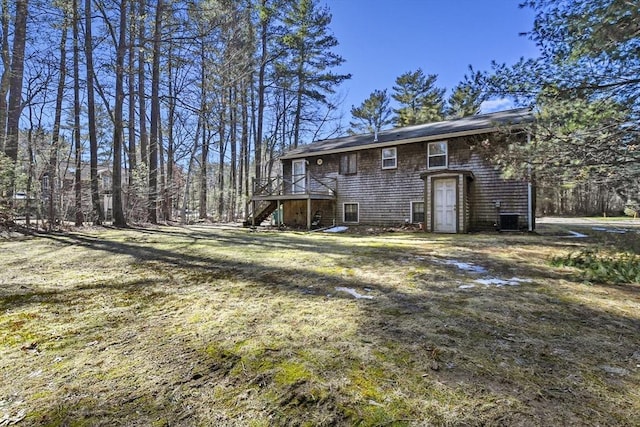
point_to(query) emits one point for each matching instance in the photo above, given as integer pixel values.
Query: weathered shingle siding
(487, 188)
(384, 196)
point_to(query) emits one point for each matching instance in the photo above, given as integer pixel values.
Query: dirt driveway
(568, 222)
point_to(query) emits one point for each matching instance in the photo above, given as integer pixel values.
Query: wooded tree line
(585, 150)
(184, 102)
(419, 100)
(170, 108)
(585, 88)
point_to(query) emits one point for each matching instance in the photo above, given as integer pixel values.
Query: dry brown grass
(212, 326)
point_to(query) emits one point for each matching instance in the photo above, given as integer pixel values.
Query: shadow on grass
(547, 355)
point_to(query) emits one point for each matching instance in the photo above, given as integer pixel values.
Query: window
(106, 182)
(417, 212)
(350, 212)
(45, 184)
(437, 155)
(299, 176)
(389, 158)
(348, 164)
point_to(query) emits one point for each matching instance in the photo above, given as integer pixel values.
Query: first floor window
(389, 158)
(417, 212)
(350, 212)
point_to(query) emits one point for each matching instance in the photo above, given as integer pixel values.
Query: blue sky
(381, 39)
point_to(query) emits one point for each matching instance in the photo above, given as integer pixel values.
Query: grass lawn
(222, 326)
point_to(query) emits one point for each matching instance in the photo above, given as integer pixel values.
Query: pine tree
(586, 86)
(373, 114)
(419, 98)
(467, 97)
(311, 57)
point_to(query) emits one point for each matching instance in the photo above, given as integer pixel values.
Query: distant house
(434, 175)
(65, 193)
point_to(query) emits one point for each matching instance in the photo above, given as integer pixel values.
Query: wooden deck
(268, 194)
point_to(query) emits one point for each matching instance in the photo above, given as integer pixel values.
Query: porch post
(308, 213)
(279, 221)
(253, 213)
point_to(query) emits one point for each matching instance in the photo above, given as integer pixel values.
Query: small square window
(437, 155)
(417, 212)
(348, 164)
(389, 158)
(351, 212)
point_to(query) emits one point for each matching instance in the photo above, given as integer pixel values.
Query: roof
(471, 125)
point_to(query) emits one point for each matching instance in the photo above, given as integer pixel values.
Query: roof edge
(400, 142)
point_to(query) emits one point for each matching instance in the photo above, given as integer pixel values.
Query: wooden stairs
(263, 210)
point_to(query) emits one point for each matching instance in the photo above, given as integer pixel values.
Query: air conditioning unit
(509, 222)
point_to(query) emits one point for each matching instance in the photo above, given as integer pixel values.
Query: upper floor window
(389, 158)
(348, 164)
(437, 155)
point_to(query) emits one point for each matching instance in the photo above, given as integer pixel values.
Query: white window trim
(344, 212)
(395, 158)
(446, 155)
(411, 209)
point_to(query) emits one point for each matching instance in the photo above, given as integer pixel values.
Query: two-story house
(434, 174)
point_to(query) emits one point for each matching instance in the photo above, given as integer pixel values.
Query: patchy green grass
(601, 267)
(222, 326)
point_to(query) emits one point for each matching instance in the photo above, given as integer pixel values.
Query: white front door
(298, 177)
(445, 212)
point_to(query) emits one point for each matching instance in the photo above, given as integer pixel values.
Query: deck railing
(306, 184)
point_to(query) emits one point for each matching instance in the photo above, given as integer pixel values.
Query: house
(65, 192)
(436, 175)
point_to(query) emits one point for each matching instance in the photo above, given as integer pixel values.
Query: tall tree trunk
(243, 143)
(15, 87)
(55, 137)
(233, 179)
(98, 211)
(187, 184)
(163, 182)
(297, 118)
(223, 145)
(155, 117)
(132, 102)
(204, 160)
(246, 131)
(76, 115)
(264, 26)
(142, 96)
(6, 73)
(29, 172)
(118, 212)
(202, 214)
(170, 142)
